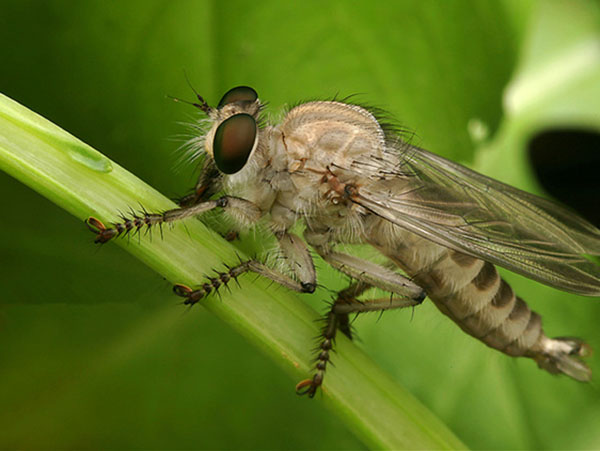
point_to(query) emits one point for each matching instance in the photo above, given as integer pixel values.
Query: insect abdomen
(472, 293)
(486, 307)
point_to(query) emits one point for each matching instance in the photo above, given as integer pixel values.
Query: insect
(350, 178)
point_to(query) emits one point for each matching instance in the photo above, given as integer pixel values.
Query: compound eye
(238, 94)
(233, 142)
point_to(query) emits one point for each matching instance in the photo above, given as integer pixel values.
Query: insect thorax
(289, 175)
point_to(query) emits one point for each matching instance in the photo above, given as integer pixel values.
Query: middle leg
(297, 257)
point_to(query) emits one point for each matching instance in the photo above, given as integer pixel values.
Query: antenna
(201, 106)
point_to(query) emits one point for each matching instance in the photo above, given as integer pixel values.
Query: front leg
(243, 210)
(209, 183)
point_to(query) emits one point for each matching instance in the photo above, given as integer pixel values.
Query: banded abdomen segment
(472, 293)
(485, 307)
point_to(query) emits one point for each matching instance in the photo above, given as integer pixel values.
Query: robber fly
(350, 178)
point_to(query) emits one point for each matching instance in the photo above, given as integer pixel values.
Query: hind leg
(337, 318)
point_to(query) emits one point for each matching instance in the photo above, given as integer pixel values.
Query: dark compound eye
(233, 142)
(238, 94)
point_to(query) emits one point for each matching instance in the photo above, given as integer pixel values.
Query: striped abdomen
(472, 293)
(483, 305)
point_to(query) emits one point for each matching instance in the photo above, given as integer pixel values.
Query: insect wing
(582, 236)
(474, 214)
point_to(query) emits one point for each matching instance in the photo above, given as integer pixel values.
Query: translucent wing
(474, 214)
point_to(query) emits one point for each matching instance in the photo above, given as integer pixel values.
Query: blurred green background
(94, 350)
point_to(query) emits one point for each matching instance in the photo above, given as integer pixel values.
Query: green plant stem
(85, 183)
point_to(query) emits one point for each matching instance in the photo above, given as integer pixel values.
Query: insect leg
(298, 258)
(209, 183)
(296, 254)
(240, 208)
(223, 278)
(372, 273)
(338, 319)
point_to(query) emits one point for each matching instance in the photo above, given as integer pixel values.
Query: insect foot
(310, 386)
(134, 223)
(103, 235)
(221, 279)
(192, 296)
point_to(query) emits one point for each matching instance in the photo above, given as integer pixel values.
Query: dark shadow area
(566, 162)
